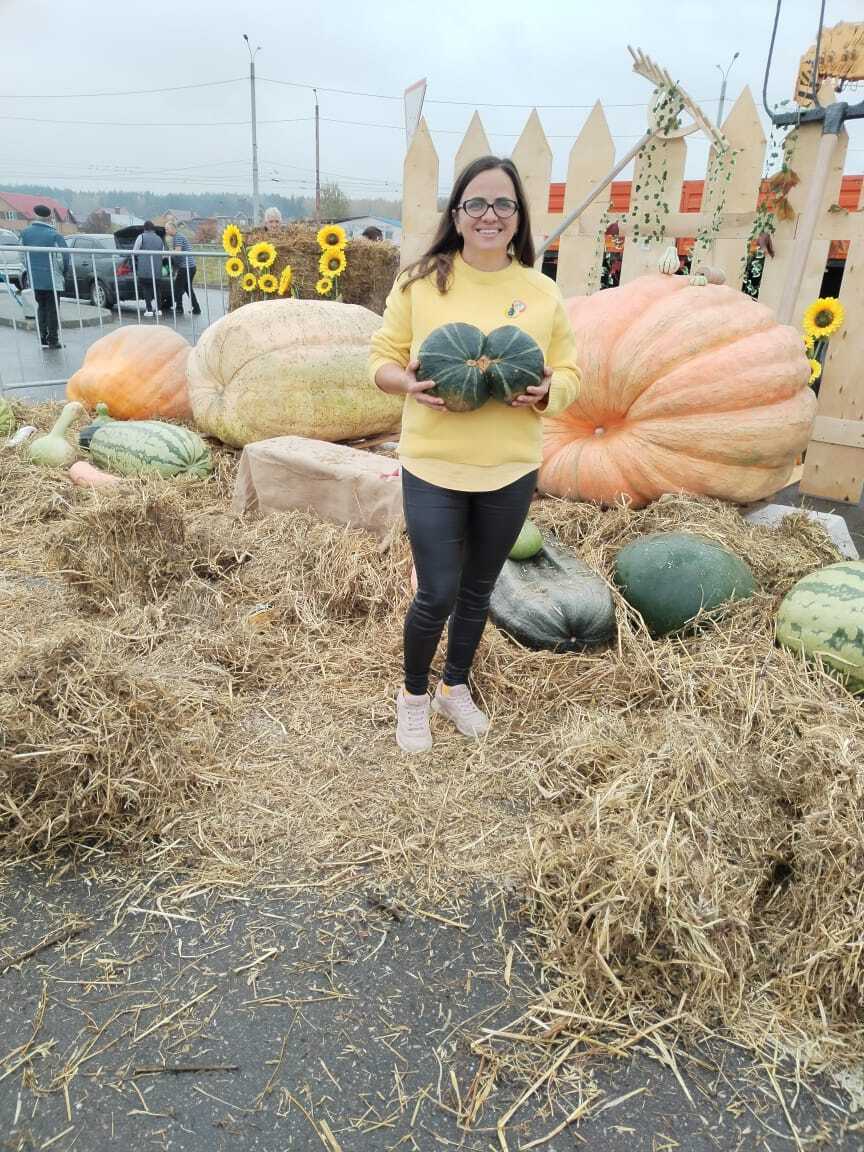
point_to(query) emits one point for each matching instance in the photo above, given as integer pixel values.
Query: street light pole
(723, 87)
(317, 163)
(256, 207)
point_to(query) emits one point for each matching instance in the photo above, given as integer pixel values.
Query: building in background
(356, 225)
(16, 212)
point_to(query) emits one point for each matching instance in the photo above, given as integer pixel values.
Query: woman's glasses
(477, 206)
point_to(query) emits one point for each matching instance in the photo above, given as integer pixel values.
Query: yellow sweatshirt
(494, 445)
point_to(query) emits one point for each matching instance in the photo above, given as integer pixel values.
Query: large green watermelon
(468, 367)
(670, 577)
(823, 616)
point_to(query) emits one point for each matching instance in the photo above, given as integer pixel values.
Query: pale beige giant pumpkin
(685, 388)
(289, 368)
(139, 371)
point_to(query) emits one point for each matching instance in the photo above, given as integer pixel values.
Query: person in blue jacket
(45, 278)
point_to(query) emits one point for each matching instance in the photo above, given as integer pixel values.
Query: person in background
(272, 219)
(148, 269)
(45, 278)
(184, 269)
(373, 233)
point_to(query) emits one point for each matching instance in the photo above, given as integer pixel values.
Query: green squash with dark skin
(468, 367)
(553, 602)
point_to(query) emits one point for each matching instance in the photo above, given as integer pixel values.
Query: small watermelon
(139, 447)
(528, 542)
(671, 577)
(823, 615)
(7, 419)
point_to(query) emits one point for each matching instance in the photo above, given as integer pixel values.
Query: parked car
(103, 280)
(11, 263)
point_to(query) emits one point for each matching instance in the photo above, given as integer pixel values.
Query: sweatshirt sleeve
(561, 358)
(391, 344)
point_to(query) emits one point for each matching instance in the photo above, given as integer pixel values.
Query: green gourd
(53, 450)
(528, 543)
(7, 419)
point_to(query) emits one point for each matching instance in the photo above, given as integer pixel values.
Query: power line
(156, 123)
(100, 95)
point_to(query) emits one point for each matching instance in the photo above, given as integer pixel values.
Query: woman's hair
(272, 214)
(438, 257)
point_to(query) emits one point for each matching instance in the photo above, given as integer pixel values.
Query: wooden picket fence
(834, 463)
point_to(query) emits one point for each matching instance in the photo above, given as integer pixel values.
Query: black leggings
(460, 541)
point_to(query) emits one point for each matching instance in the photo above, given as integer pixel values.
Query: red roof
(26, 204)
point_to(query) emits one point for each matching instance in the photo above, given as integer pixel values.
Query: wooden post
(591, 157)
(474, 145)
(533, 158)
(834, 462)
(657, 195)
(419, 195)
(743, 130)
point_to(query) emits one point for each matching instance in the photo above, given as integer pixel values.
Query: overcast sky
(475, 53)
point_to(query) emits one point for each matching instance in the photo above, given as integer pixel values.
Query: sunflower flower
(232, 239)
(331, 236)
(268, 282)
(324, 286)
(261, 255)
(809, 344)
(823, 317)
(234, 266)
(249, 282)
(815, 370)
(285, 279)
(332, 262)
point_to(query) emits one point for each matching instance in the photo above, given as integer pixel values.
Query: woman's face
(488, 234)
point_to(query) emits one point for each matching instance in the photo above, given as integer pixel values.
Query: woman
(468, 477)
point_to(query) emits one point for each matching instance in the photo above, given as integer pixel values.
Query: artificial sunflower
(331, 236)
(261, 255)
(823, 317)
(285, 279)
(249, 282)
(815, 370)
(234, 266)
(809, 344)
(332, 262)
(324, 286)
(232, 239)
(268, 282)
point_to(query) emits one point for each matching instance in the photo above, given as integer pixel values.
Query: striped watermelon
(823, 616)
(7, 418)
(139, 447)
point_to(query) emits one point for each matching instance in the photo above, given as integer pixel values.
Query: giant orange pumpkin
(138, 371)
(685, 388)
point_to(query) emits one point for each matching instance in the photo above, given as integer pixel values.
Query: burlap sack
(340, 484)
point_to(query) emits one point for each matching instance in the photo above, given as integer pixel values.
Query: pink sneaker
(412, 722)
(454, 702)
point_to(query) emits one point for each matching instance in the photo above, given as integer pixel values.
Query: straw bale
(371, 270)
(682, 816)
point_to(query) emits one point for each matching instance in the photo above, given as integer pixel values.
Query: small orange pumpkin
(684, 389)
(84, 475)
(139, 372)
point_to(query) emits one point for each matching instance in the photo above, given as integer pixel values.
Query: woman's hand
(418, 388)
(537, 393)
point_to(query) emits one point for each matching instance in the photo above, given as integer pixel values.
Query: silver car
(11, 263)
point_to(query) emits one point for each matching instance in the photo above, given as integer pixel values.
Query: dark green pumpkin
(554, 602)
(672, 577)
(468, 367)
(516, 363)
(450, 356)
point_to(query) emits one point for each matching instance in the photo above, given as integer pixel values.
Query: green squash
(86, 433)
(672, 577)
(7, 419)
(528, 542)
(553, 602)
(515, 363)
(150, 447)
(823, 615)
(468, 367)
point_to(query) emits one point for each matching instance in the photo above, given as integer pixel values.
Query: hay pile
(684, 818)
(369, 276)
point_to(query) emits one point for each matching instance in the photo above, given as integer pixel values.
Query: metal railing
(98, 290)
